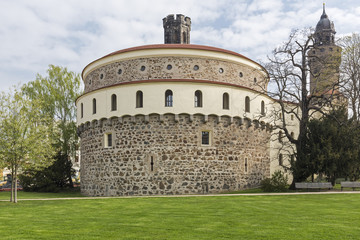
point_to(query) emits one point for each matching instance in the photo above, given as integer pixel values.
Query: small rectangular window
(246, 165)
(108, 140)
(205, 138)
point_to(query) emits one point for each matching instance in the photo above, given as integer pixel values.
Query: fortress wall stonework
(181, 165)
(181, 68)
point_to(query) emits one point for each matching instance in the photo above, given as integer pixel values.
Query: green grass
(37, 195)
(334, 216)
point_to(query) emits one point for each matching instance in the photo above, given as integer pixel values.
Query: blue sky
(72, 33)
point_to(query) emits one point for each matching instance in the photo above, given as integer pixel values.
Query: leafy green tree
(333, 146)
(25, 140)
(58, 92)
(50, 179)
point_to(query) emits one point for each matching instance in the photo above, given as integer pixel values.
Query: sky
(73, 33)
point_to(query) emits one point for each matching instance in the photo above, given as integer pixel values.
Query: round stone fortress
(174, 118)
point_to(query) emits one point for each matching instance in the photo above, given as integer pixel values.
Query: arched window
(226, 101)
(94, 106)
(198, 98)
(113, 102)
(168, 98)
(139, 99)
(247, 104)
(263, 108)
(82, 110)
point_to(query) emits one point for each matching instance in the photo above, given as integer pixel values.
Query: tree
(333, 146)
(350, 72)
(24, 136)
(58, 92)
(50, 179)
(290, 68)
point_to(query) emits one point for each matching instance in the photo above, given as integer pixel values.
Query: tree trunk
(15, 184)
(12, 184)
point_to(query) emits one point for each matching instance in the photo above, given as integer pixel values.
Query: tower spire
(324, 15)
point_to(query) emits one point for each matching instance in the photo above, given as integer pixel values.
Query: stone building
(325, 57)
(175, 118)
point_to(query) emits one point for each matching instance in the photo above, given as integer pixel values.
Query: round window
(221, 70)
(119, 71)
(241, 74)
(142, 68)
(169, 67)
(196, 67)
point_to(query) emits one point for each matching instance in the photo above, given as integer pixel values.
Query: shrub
(277, 182)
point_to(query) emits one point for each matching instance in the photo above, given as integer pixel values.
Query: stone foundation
(158, 155)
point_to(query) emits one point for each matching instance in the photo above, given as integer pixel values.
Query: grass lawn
(37, 195)
(335, 216)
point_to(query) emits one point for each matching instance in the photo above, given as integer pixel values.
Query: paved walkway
(205, 195)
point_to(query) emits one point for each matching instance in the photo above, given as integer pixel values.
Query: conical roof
(324, 23)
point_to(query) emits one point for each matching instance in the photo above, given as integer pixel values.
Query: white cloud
(36, 33)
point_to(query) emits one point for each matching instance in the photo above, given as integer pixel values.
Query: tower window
(152, 163)
(221, 70)
(139, 99)
(82, 110)
(205, 138)
(94, 106)
(247, 104)
(113, 102)
(246, 165)
(280, 159)
(198, 98)
(255, 80)
(142, 68)
(196, 67)
(226, 101)
(108, 140)
(169, 67)
(119, 71)
(241, 74)
(168, 98)
(101, 76)
(263, 108)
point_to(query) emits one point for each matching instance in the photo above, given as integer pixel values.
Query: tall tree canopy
(25, 132)
(58, 92)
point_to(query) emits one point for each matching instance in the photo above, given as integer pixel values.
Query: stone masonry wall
(181, 68)
(180, 164)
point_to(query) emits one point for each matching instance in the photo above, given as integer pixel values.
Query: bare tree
(297, 70)
(350, 73)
